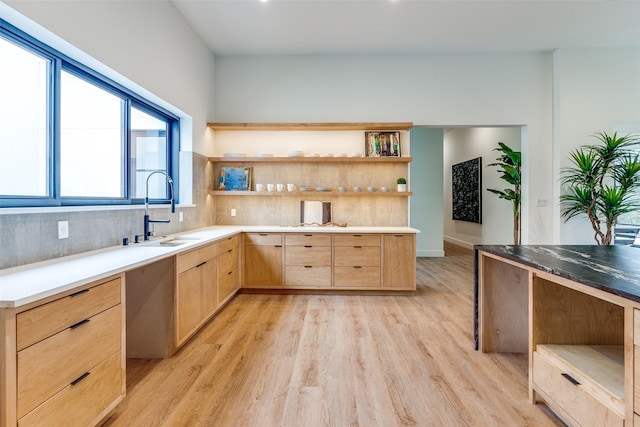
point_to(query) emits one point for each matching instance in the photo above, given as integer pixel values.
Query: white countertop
(28, 283)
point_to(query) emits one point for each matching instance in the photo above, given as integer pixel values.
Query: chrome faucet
(147, 232)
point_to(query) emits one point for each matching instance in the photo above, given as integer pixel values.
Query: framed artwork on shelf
(382, 144)
(466, 183)
(233, 178)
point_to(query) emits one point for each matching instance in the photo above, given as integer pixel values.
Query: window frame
(59, 62)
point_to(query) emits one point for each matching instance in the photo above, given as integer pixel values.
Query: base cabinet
(196, 290)
(399, 261)
(263, 260)
(69, 358)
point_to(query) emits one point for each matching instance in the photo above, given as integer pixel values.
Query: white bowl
(327, 155)
(264, 155)
(385, 189)
(342, 154)
(355, 155)
(314, 155)
(234, 154)
(371, 189)
(296, 154)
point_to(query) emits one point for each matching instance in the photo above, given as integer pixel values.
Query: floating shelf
(311, 159)
(400, 126)
(349, 193)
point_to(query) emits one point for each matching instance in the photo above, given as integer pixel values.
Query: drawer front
(192, 258)
(308, 239)
(318, 256)
(80, 404)
(228, 243)
(227, 261)
(357, 240)
(584, 408)
(360, 277)
(227, 285)
(357, 256)
(263, 239)
(41, 322)
(47, 367)
(300, 276)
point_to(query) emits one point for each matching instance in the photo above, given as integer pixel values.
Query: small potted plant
(402, 185)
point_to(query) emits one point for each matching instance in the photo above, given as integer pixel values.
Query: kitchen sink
(178, 241)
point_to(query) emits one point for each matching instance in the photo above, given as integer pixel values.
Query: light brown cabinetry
(399, 269)
(263, 260)
(228, 269)
(308, 260)
(357, 260)
(196, 290)
(328, 261)
(69, 358)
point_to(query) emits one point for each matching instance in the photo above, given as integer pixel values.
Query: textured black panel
(466, 194)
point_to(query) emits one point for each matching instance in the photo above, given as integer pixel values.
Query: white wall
(428, 90)
(497, 218)
(595, 90)
(148, 43)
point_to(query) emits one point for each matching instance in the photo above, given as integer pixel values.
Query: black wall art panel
(466, 190)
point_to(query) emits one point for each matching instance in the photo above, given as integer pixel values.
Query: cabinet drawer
(80, 404)
(48, 366)
(357, 256)
(308, 239)
(357, 240)
(318, 256)
(263, 239)
(45, 320)
(317, 277)
(227, 261)
(579, 403)
(352, 276)
(197, 256)
(227, 285)
(228, 243)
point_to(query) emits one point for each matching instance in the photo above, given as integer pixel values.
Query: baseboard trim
(459, 242)
(429, 253)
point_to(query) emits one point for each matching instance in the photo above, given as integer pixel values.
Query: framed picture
(382, 144)
(233, 178)
(466, 191)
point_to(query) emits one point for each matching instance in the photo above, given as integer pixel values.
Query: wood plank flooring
(338, 360)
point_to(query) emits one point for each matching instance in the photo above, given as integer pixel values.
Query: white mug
(271, 187)
(291, 187)
(280, 187)
(259, 187)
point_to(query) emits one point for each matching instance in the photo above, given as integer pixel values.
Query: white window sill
(57, 209)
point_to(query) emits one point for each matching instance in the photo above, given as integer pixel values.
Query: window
(70, 136)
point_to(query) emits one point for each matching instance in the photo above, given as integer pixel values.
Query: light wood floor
(338, 360)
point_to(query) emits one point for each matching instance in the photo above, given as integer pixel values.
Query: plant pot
(402, 188)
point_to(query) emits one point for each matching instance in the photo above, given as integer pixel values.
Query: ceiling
(299, 27)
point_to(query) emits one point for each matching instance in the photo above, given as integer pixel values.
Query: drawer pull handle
(229, 273)
(357, 247)
(80, 323)
(357, 266)
(201, 264)
(357, 235)
(308, 235)
(80, 378)
(308, 246)
(263, 234)
(571, 379)
(308, 266)
(230, 250)
(277, 246)
(75, 294)
(398, 235)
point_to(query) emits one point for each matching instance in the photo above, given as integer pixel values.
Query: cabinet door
(188, 302)
(263, 266)
(399, 268)
(209, 289)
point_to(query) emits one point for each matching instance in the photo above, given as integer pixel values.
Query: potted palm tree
(510, 166)
(602, 183)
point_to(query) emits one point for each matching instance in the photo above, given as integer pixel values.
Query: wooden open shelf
(311, 159)
(400, 126)
(349, 193)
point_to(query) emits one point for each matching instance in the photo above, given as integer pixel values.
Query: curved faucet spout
(147, 233)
